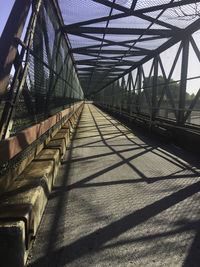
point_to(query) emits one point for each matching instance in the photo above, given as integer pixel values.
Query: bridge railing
(164, 89)
(44, 80)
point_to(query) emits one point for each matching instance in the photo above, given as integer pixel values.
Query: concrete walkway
(120, 200)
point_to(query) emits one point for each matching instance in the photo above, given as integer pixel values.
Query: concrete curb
(23, 204)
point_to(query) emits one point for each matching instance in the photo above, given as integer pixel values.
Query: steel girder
(125, 45)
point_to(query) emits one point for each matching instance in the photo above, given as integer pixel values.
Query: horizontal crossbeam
(133, 12)
(117, 31)
(110, 52)
(94, 63)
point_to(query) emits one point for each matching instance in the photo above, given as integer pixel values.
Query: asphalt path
(121, 199)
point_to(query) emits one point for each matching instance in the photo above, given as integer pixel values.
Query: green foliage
(9, 83)
(174, 88)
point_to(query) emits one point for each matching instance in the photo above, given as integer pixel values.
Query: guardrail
(26, 188)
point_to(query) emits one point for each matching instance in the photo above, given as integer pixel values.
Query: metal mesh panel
(159, 96)
(51, 83)
(182, 16)
(109, 40)
(77, 10)
(102, 25)
(145, 4)
(128, 22)
(125, 3)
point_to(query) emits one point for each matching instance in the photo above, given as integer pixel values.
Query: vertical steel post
(112, 96)
(133, 95)
(8, 52)
(11, 33)
(139, 87)
(121, 95)
(183, 82)
(154, 89)
(129, 93)
(21, 72)
(39, 74)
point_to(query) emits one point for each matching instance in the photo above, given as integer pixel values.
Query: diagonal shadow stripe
(99, 237)
(110, 168)
(98, 141)
(105, 154)
(173, 159)
(188, 226)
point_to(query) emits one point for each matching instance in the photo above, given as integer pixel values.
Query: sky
(5, 8)
(194, 65)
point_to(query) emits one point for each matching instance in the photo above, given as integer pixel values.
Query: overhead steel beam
(93, 63)
(110, 52)
(158, 22)
(100, 40)
(126, 57)
(186, 32)
(84, 69)
(102, 69)
(134, 12)
(117, 58)
(134, 3)
(77, 49)
(118, 31)
(106, 26)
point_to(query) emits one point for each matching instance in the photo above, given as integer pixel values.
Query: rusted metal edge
(12, 146)
(20, 73)
(8, 48)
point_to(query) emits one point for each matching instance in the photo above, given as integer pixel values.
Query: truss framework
(108, 44)
(131, 35)
(138, 93)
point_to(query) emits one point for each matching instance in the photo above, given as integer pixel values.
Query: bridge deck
(120, 200)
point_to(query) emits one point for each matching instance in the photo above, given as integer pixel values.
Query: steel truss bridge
(137, 60)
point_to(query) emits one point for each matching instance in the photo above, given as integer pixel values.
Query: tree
(187, 12)
(173, 86)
